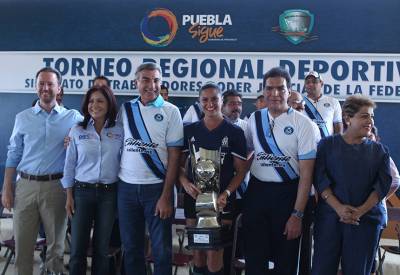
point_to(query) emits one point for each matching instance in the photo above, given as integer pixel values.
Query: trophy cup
(208, 232)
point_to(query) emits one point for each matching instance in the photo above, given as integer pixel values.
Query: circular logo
(288, 130)
(327, 105)
(158, 117)
(162, 40)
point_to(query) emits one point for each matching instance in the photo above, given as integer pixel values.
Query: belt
(41, 177)
(96, 186)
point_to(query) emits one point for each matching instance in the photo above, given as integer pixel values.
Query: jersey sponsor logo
(225, 142)
(158, 117)
(272, 160)
(288, 130)
(320, 122)
(327, 105)
(135, 145)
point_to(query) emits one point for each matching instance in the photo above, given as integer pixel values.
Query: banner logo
(208, 27)
(296, 26)
(161, 40)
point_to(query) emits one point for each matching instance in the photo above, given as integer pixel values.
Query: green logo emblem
(296, 25)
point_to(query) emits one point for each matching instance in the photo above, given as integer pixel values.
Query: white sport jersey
(159, 125)
(325, 112)
(191, 115)
(279, 143)
(243, 186)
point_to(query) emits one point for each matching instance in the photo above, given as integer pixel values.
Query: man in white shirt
(153, 135)
(324, 110)
(284, 145)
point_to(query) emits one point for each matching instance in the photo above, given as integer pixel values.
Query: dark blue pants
(267, 208)
(136, 205)
(92, 207)
(353, 245)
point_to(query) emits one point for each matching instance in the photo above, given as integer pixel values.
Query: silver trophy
(206, 166)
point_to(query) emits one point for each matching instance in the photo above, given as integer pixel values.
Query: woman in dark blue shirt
(352, 175)
(213, 133)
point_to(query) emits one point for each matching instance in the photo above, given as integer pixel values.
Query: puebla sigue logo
(159, 40)
(296, 25)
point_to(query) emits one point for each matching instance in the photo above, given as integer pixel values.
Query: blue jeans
(136, 205)
(98, 206)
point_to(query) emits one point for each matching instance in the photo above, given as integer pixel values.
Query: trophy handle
(192, 156)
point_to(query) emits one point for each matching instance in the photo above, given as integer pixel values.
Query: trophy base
(208, 238)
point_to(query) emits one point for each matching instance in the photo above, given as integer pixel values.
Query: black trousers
(267, 208)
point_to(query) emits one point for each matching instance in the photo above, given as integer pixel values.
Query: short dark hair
(354, 103)
(50, 70)
(278, 72)
(163, 87)
(112, 106)
(229, 93)
(260, 97)
(102, 77)
(149, 66)
(209, 85)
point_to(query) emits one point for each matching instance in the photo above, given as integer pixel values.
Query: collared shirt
(191, 114)
(91, 157)
(243, 186)
(290, 137)
(161, 123)
(330, 111)
(37, 141)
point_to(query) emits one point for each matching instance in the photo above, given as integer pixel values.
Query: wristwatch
(228, 192)
(297, 213)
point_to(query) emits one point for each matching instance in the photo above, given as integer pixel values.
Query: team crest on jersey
(225, 142)
(327, 105)
(288, 130)
(158, 117)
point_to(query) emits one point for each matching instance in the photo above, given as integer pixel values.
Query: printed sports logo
(208, 27)
(296, 25)
(161, 40)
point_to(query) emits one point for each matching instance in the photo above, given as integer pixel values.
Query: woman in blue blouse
(352, 175)
(90, 176)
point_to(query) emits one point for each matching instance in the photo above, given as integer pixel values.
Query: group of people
(127, 162)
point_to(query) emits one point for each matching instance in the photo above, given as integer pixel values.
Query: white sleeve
(307, 139)
(337, 115)
(174, 137)
(190, 115)
(249, 135)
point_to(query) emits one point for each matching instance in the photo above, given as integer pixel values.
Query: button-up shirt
(37, 141)
(91, 157)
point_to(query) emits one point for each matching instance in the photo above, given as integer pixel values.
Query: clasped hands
(349, 214)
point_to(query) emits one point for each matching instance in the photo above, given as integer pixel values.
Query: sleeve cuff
(310, 155)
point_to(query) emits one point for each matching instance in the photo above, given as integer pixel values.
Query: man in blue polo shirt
(37, 153)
